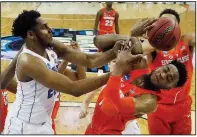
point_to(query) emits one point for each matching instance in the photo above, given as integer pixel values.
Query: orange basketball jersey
(181, 53)
(4, 106)
(106, 22)
(105, 124)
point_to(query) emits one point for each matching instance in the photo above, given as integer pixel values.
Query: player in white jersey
(38, 79)
(131, 126)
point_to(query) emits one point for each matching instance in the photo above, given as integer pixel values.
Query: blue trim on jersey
(10, 125)
(33, 102)
(22, 101)
(126, 77)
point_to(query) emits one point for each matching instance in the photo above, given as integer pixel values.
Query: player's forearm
(117, 29)
(84, 86)
(98, 60)
(147, 48)
(89, 97)
(70, 74)
(81, 72)
(62, 67)
(109, 40)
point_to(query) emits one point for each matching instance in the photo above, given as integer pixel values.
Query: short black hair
(24, 22)
(182, 72)
(171, 11)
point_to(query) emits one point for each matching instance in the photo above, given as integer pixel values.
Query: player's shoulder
(116, 12)
(102, 10)
(27, 60)
(187, 37)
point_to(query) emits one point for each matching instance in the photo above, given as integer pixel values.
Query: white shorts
(131, 128)
(14, 125)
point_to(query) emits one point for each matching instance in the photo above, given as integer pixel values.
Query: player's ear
(31, 35)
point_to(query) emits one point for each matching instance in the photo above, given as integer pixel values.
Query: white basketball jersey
(34, 102)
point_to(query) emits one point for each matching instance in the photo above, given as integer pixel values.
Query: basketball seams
(157, 31)
(169, 40)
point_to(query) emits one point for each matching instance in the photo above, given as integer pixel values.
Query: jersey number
(51, 93)
(108, 22)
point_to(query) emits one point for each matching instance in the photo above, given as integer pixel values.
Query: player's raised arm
(87, 60)
(38, 70)
(112, 104)
(80, 72)
(106, 42)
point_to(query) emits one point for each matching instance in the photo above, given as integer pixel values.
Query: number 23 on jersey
(108, 22)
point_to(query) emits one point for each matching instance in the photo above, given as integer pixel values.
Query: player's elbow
(75, 91)
(150, 106)
(91, 62)
(146, 103)
(76, 94)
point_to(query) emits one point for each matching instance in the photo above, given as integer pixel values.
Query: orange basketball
(165, 34)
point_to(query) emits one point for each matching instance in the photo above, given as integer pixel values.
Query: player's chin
(49, 43)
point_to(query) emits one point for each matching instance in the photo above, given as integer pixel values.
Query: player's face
(170, 16)
(43, 32)
(165, 77)
(109, 4)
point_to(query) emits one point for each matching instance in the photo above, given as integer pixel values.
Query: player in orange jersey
(121, 101)
(173, 115)
(107, 20)
(177, 99)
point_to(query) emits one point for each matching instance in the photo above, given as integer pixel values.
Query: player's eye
(167, 69)
(170, 78)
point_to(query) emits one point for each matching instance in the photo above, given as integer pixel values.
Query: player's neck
(36, 47)
(108, 8)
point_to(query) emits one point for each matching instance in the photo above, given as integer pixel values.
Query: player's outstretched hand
(142, 26)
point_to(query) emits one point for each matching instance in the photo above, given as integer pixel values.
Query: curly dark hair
(182, 72)
(171, 11)
(24, 22)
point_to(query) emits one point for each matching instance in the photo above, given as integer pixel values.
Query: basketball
(165, 34)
